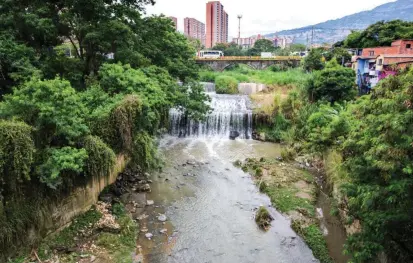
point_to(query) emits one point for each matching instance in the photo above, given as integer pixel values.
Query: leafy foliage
(226, 85)
(261, 45)
(51, 106)
(230, 49)
(314, 60)
(380, 34)
(378, 157)
(59, 162)
(340, 54)
(334, 83)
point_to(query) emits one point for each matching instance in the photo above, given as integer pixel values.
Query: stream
(210, 207)
(201, 207)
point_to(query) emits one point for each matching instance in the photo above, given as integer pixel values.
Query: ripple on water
(214, 220)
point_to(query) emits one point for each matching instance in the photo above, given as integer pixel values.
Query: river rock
(162, 218)
(233, 135)
(150, 202)
(107, 198)
(92, 258)
(189, 162)
(141, 217)
(163, 231)
(149, 235)
(143, 188)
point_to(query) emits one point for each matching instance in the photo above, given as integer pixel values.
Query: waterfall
(229, 113)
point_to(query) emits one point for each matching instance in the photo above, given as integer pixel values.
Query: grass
(315, 240)
(284, 199)
(268, 77)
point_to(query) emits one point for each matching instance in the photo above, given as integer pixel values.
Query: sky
(265, 16)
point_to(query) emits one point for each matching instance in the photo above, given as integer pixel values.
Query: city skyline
(262, 16)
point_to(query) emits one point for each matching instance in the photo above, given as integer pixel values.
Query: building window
(408, 45)
(380, 62)
(371, 53)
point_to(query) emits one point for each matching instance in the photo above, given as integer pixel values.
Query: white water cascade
(230, 113)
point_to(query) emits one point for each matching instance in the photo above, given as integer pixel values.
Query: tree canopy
(334, 83)
(261, 45)
(82, 81)
(33, 31)
(380, 34)
(230, 49)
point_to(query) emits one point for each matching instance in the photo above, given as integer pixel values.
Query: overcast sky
(265, 16)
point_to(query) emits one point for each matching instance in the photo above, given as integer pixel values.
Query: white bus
(210, 54)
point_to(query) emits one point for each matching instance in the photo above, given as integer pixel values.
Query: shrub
(226, 85)
(288, 154)
(258, 172)
(334, 83)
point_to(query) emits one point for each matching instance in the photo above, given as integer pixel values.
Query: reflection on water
(210, 208)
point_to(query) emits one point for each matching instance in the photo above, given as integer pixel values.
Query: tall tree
(261, 45)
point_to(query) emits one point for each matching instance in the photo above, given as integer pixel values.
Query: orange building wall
(216, 24)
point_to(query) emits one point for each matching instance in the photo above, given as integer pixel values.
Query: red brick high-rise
(216, 24)
(194, 29)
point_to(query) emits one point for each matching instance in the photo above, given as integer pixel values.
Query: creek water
(210, 204)
(210, 207)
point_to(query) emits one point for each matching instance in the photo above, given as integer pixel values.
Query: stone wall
(58, 212)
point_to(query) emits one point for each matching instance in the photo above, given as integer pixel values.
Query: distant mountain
(332, 31)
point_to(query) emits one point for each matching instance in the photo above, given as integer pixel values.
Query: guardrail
(249, 58)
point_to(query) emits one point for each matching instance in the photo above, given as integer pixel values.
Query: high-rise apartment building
(175, 20)
(216, 24)
(194, 29)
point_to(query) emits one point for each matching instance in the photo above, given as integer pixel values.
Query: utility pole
(307, 48)
(312, 37)
(239, 27)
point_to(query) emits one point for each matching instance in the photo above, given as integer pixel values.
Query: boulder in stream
(233, 135)
(263, 218)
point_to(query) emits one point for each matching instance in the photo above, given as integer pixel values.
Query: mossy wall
(57, 210)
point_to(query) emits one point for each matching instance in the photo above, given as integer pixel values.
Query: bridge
(220, 64)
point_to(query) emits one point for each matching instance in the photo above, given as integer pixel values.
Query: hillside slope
(334, 30)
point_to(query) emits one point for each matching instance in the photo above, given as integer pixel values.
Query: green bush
(288, 154)
(207, 76)
(226, 85)
(258, 172)
(333, 84)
